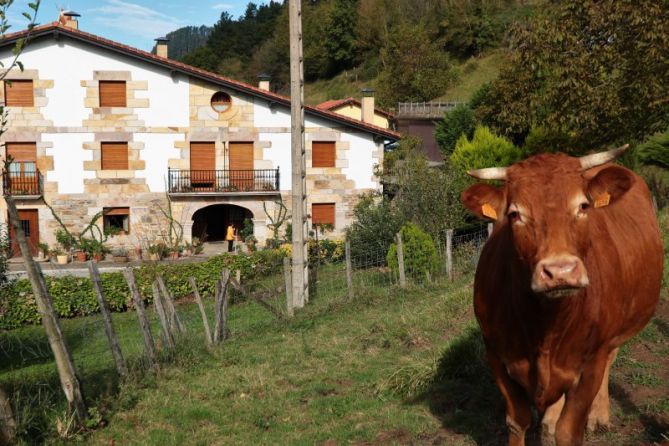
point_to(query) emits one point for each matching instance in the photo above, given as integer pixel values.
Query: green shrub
(420, 254)
(655, 151)
(74, 296)
(326, 251)
(457, 122)
(541, 139)
(485, 149)
(657, 179)
(374, 227)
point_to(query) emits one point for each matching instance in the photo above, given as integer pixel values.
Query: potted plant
(173, 252)
(65, 239)
(44, 251)
(251, 243)
(60, 255)
(197, 246)
(156, 251)
(120, 255)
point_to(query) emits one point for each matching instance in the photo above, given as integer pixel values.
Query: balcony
(223, 182)
(20, 183)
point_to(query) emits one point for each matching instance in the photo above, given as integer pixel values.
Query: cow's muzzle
(559, 276)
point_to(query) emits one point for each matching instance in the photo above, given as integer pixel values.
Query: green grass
(472, 74)
(346, 84)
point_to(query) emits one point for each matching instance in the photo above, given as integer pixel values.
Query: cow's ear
(609, 185)
(484, 200)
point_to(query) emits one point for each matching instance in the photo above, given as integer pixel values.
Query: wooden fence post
(165, 322)
(149, 346)
(200, 304)
(64, 364)
(400, 260)
(449, 253)
(7, 421)
(349, 270)
(290, 306)
(169, 306)
(221, 306)
(121, 368)
(490, 227)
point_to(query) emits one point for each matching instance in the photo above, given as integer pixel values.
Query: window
(112, 94)
(19, 93)
(114, 155)
(323, 214)
(322, 154)
(221, 101)
(116, 220)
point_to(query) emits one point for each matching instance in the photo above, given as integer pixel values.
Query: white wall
(279, 155)
(68, 160)
(360, 162)
(158, 149)
(68, 63)
(263, 116)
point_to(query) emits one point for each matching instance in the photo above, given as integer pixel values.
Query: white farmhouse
(97, 126)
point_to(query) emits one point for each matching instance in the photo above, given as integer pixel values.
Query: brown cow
(571, 271)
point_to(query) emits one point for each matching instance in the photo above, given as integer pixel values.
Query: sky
(132, 22)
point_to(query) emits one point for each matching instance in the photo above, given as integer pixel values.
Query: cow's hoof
(598, 421)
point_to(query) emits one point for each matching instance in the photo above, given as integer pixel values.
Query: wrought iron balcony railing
(222, 181)
(22, 183)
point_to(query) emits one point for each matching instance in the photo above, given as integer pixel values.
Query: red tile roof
(336, 103)
(56, 29)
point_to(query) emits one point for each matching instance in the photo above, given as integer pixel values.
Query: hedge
(74, 296)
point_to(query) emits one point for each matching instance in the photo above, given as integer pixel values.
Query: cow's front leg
(570, 428)
(518, 412)
(599, 412)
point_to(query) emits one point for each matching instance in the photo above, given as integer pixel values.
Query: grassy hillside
(472, 74)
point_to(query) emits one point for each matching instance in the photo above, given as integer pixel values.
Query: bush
(541, 139)
(457, 122)
(655, 151)
(326, 251)
(73, 296)
(420, 254)
(658, 183)
(485, 149)
(374, 227)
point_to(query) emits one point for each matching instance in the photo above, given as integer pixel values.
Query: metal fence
(199, 181)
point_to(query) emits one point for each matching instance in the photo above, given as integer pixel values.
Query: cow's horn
(491, 173)
(597, 159)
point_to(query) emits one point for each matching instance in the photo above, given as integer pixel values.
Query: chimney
(367, 105)
(69, 19)
(161, 47)
(263, 81)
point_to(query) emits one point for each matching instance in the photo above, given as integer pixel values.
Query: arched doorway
(210, 223)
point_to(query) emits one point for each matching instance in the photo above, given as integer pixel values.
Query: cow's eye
(584, 206)
(513, 216)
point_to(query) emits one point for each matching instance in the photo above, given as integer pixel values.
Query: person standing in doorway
(230, 235)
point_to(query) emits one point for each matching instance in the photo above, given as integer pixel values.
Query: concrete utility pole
(298, 155)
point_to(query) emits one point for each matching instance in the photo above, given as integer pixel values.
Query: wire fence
(28, 373)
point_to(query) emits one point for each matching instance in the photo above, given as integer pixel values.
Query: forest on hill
(374, 39)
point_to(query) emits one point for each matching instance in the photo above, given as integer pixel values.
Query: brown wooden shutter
(114, 155)
(202, 156)
(323, 213)
(112, 94)
(19, 93)
(22, 151)
(241, 165)
(323, 154)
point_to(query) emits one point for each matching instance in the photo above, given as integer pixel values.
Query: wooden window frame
(10, 100)
(316, 219)
(112, 215)
(320, 158)
(109, 164)
(112, 101)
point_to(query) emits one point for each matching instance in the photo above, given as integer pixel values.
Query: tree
(595, 71)
(485, 149)
(427, 196)
(457, 122)
(414, 67)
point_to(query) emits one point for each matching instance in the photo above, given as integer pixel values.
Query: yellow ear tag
(603, 200)
(489, 211)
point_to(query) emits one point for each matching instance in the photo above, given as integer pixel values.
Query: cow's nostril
(546, 273)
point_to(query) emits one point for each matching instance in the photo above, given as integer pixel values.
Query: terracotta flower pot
(174, 255)
(81, 256)
(98, 257)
